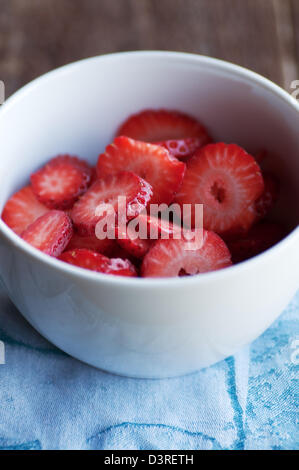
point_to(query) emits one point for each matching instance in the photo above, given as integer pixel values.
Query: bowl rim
(134, 282)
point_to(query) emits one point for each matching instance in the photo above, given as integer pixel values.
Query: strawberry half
(269, 196)
(22, 209)
(151, 162)
(184, 148)
(227, 181)
(171, 258)
(93, 243)
(50, 233)
(61, 181)
(107, 190)
(159, 125)
(88, 259)
(259, 238)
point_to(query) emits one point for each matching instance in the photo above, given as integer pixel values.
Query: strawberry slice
(259, 238)
(22, 209)
(140, 233)
(119, 252)
(159, 227)
(184, 148)
(61, 181)
(96, 262)
(136, 246)
(107, 190)
(171, 258)
(50, 233)
(94, 175)
(269, 196)
(159, 125)
(151, 162)
(227, 181)
(92, 243)
(121, 267)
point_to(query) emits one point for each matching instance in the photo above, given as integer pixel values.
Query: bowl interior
(78, 108)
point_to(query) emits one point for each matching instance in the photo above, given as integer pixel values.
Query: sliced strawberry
(94, 175)
(22, 209)
(184, 148)
(61, 181)
(269, 196)
(121, 267)
(159, 125)
(227, 181)
(259, 238)
(50, 233)
(119, 252)
(93, 243)
(136, 246)
(171, 258)
(159, 227)
(88, 259)
(140, 233)
(151, 162)
(106, 191)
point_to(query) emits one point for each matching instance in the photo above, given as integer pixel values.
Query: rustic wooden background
(39, 35)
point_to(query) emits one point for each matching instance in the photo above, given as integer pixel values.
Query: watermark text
(121, 220)
(295, 87)
(2, 353)
(2, 92)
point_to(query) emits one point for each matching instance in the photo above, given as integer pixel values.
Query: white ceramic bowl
(148, 327)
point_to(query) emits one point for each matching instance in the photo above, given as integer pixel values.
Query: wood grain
(39, 35)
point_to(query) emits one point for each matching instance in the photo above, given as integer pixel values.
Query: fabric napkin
(50, 401)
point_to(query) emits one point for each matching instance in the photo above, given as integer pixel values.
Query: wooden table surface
(39, 35)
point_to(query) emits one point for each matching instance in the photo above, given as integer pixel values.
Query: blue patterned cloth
(50, 401)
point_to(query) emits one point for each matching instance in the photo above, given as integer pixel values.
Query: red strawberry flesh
(50, 233)
(140, 233)
(105, 246)
(170, 258)
(151, 162)
(184, 148)
(159, 125)
(135, 245)
(22, 209)
(61, 181)
(93, 261)
(160, 227)
(227, 181)
(106, 191)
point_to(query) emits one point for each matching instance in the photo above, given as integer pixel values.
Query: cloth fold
(50, 401)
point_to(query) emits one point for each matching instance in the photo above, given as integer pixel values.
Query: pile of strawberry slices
(157, 157)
